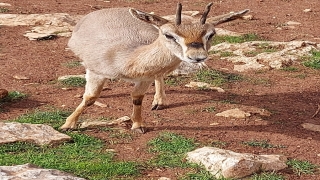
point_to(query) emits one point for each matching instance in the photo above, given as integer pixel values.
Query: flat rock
(61, 78)
(4, 4)
(229, 164)
(36, 133)
(311, 127)
(29, 171)
(234, 113)
(284, 54)
(96, 123)
(204, 85)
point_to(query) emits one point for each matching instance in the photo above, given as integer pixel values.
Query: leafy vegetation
(3, 10)
(267, 176)
(72, 64)
(215, 77)
(170, 149)
(74, 82)
(85, 157)
(236, 39)
(302, 167)
(313, 61)
(262, 143)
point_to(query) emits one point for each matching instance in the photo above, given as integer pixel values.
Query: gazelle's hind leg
(93, 89)
(159, 100)
(137, 95)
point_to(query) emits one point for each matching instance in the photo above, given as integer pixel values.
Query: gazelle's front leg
(159, 100)
(137, 95)
(93, 89)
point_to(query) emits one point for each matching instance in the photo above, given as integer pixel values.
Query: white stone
(61, 78)
(292, 23)
(234, 113)
(29, 171)
(307, 10)
(40, 134)
(96, 123)
(204, 85)
(229, 164)
(4, 4)
(311, 127)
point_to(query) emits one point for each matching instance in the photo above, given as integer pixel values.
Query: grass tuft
(74, 82)
(170, 149)
(85, 157)
(302, 167)
(215, 77)
(267, 176)
(313, 61)
(236, 39)
(262, 143)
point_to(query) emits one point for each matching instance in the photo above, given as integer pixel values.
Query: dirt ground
(291, 100)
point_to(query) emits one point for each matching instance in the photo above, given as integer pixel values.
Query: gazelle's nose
(196, 45)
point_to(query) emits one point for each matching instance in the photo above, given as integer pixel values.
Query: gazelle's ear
(149, 18)
(226, 17)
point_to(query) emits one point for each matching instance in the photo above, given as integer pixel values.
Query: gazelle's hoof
(140, 130)
(66, 127)
(158, 107)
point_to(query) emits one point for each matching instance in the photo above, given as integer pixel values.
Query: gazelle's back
(104, 38)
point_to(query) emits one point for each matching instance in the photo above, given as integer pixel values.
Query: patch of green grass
(215, 77)
(54, 118)
(200, 174)
(85, 157)
(13, 96)
(267, 176)
(74, 82)
(209, 109)
(290, 69)
(3, 10)
(226, 54)
(260, 81)
(301, 167)
(313, 61)
(175, 80)
(262, 144)
(236, 39)
(72, 64)
(170, 149)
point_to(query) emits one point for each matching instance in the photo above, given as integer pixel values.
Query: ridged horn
(205, 13)
(178, 14)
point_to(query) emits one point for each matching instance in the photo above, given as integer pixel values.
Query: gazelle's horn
(178, 14)
(205, 13)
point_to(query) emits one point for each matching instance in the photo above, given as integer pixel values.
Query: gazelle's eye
(210, 36)
(169, 37)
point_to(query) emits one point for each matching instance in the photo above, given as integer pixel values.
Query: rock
(311, 127)
(307, 10)
(292, 23)
(164, 178)
(29, 171)
(100, 104)
(96, 123)
(19, 77)
(204, 85)
(234, 113)
(188, 68)
(36, 133)
(229, 164)
(284, 54)
(247, 17)
(61, 78)
(3, 93)
(4, 4)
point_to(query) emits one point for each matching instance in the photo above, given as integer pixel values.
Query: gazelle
(139, 47)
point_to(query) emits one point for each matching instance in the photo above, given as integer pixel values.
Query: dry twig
(317, 111)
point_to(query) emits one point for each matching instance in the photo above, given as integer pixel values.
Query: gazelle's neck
(151, 60)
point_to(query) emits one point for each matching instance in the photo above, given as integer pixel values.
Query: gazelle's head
(189, 41)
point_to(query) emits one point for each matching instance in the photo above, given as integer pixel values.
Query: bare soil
(291, 100)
